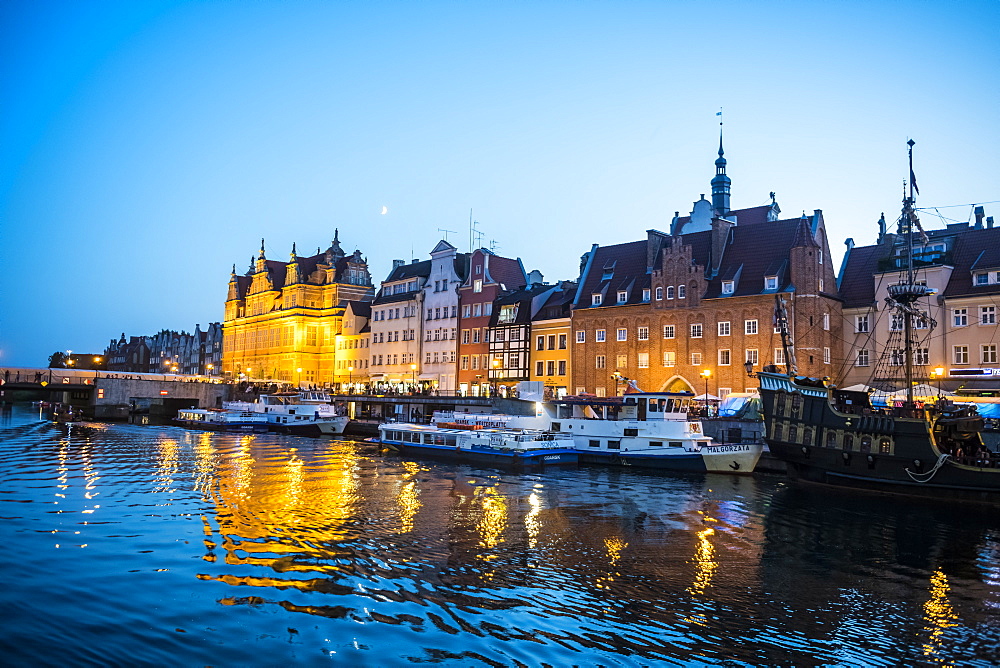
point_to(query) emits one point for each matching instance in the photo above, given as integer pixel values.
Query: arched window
(831, 439)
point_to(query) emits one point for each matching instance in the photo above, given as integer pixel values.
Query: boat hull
(229, 427)
(321, 428)
(491, 456)
(730, 458)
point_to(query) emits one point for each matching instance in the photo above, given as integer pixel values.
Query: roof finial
(719, 114)
(293, 251)
(721, 183)
(262, 248)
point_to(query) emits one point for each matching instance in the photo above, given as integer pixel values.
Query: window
(724, 357)
(562, 367)
(921, 356)
(669, 359)
(861, 324)
(581, 336)
(475, 335)
(477, 285)
(622, 296)
(960, 354)
(645, 294)
(595, 299)
(599, 335)
(750, 326)
(727, 287)
(551, 341)
(821, 285)
(724, 328)
(622, 334)
(779, 355)
(752, 356)
(621, 362)
(562, 342)
(960, 317)
(427, 358)
(643, 360)
(465, 336)
(988, 353)
(696, 331)
(659, 293)
(987, 315)
(550, 367)
(668, 331)
(896, 322)
(601, 392)
(643, 333)
(465, 362)
(680, 292)
(508, 314)
(539, 343)
(896, 357)
(826, 321)
(826, 355)
(670, 292)
(695, 359)
(982, 279)
(477, 310)
(599, 362)
(770, 282)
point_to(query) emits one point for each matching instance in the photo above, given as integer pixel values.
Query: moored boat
(836, 436)
(470, 443)
(307, 413)
(214, 419)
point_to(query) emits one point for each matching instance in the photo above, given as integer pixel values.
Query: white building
(396, 321)
(448, 268)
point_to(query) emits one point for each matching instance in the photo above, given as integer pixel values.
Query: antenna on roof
(446, 232)
(494, 245)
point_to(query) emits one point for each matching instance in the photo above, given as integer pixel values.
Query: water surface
(134, 545)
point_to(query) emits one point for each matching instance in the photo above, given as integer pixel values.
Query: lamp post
(350, 379)
(413, 377)
(706, 374)
(209, 367)
(298, 377)
(496, 365)
(748, 365)
(939, 372)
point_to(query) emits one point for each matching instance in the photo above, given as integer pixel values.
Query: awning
(376, 376)
(427, 376)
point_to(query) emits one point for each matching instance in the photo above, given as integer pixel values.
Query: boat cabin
(639, 406)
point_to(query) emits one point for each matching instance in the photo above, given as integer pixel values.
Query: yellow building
(282, 318)
(550, 341)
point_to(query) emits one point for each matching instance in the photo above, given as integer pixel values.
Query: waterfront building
(551, 332)
(396, 325)
(128, 355)
(694, 310)
(169, 351)
(449, 269)
(490, 275)
(958, 335)
(353, 348)
(282, 318)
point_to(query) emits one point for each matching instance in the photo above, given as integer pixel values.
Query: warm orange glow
(705, 373)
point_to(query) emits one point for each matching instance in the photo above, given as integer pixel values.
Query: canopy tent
(702, 397)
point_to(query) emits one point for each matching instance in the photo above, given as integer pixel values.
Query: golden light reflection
(939, 616)
(409, 504)
(704, 561)
(613, 548)
(493, 522)
(531, 522)
(204, 462)
(166, 465)
(293, 491)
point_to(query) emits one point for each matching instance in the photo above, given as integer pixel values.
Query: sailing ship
(836, 436)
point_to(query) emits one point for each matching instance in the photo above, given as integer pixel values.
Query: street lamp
(706, 374)
(748, 365)
(298, 377)
(413, 376)
(496, 365)
(209, 367)
(350, 379)
(939, 372)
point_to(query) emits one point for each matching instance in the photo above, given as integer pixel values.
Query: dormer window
(595, 299)
(982, 279)
(622, 296)
(609, 271)
(770, 282)
(645, 294)
(728, 287)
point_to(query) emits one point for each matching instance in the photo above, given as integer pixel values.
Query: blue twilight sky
(146, 147)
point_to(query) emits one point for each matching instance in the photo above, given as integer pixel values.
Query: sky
(147, 147)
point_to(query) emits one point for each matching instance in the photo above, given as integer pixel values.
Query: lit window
(669, 359)
(643, 360)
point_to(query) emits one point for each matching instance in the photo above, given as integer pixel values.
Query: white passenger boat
(471, 443)
(643, 429)
(308, 413)
(216, 419)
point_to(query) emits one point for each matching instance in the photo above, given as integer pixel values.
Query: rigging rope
(930, 474)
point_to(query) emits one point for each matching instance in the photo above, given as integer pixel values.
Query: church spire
(721, 183)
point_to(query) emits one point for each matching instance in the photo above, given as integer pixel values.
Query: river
(140, 545)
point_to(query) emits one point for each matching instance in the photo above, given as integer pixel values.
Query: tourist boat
(835, 436)
(216, 419)
(474, 444)
(642, 429)
(308, 413)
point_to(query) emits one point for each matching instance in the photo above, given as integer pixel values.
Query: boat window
(831, 439)
(866, 443)
(654, 406)
(793, 434)
(796, 405)
(412, 437)
(848, 441)
(595, 444)
(656, 444)
(450, 439)
(884, 446)
(614, 445)
(556, 426)
(438, 439)
(779, 403)
(675, 444)
(629, 401)
(776, 431)
(631, 432)
(807, 436)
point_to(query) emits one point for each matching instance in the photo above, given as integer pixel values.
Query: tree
(57, 360)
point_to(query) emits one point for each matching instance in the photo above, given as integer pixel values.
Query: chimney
(989, 222)
(534, 277)
(396, 264)
(979, 217)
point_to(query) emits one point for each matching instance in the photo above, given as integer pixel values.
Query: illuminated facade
(550, 341)
(396, 324)
(282, 318)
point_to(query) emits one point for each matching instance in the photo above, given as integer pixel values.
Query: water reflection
(939, 616)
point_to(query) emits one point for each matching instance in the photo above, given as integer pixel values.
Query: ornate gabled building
(282, 318)
(960, 334)
(440, 340)
(673, 310)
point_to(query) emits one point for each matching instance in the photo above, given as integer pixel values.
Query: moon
(385, 210)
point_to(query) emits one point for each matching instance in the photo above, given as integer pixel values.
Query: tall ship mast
(836, 436)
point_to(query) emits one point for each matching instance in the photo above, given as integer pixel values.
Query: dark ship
(836, 436)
